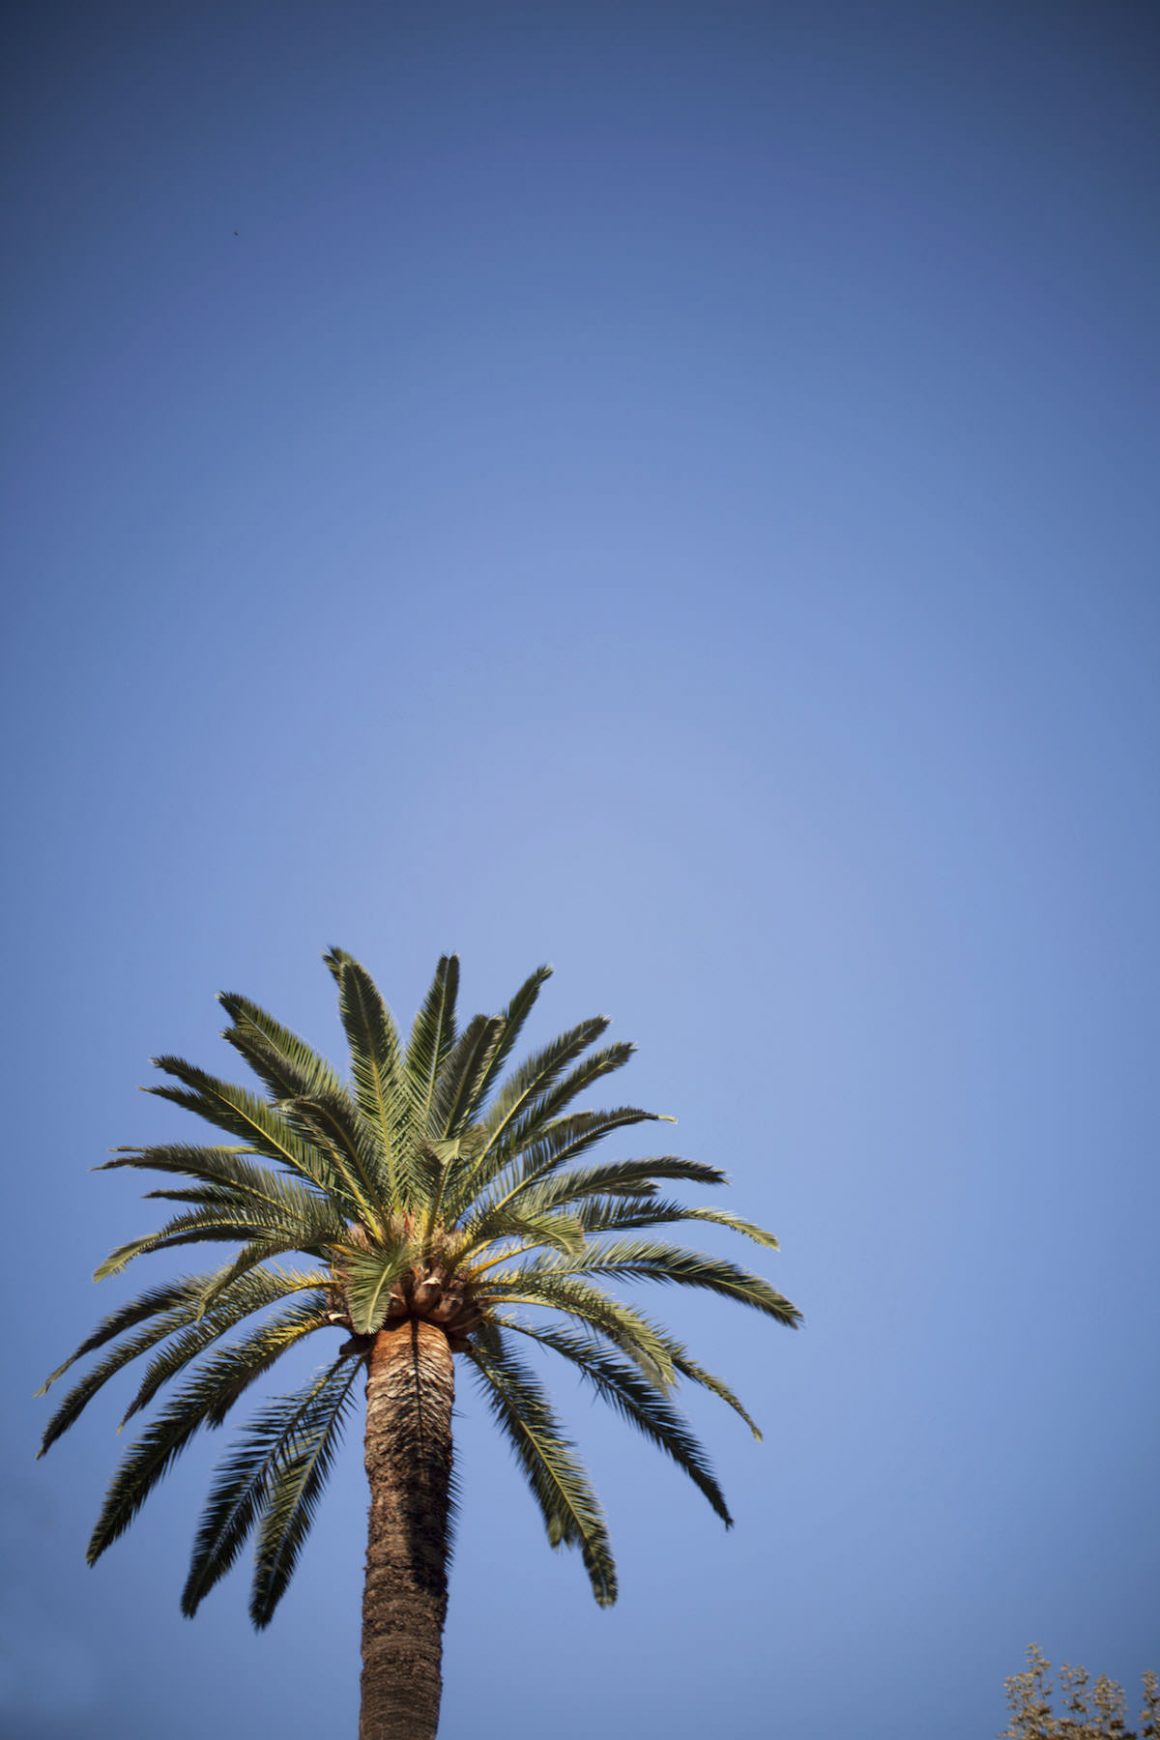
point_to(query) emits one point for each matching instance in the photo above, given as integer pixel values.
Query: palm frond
(251, 1293)
(501, 1174)
(570, 1508)
(369, 1276)
(224, 1168)
(249, 1261)
(658, 1353)
(183, 1311)
(258, 1124)
(672, 1264)
(613, 1214)
(547, 1108)
(537, 1074)
(463, 1077)
(527, 1226)
(514, 1017)
(696, 1374)
(336, 1126)
(148, 1304)
(224, 1223)
(375, 1059)
(298, 1473)
(432, 1038)
(243, 1477)
(638, 1401)
(620, 1323)
(436, 1167)
(77, 1399)
(289, 1067)
(202, 1195)
(213, 1388)
(618, 1178)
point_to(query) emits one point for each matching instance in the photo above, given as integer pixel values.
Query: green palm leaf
(530, 1227)
(299, 1469)
(671, 1264)
(222, 1222)
(226, 1169)
(535, 1077)
(432, 1038)
(499, 1176)
(243, 1477)
(82, 1393)
(570, 1508)
(375, 1059)
(334, 1124)
(640, 1403)
(289, 1067)
(612, 1214)
(618, 1177)
(514, 1018)
(618, 1322)
(149, 1304)
(260, 1125)
(277, 1335)
(206, 1399)
(464, 1077)
(545, 1110)
(369, 1276)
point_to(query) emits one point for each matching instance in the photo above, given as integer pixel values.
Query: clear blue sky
(668, 490)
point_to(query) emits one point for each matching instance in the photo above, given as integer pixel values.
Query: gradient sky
(668, 490)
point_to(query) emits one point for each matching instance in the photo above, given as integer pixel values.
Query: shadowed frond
(688, 1368)
(243, 1477)
(540, 1117)
(570, 1509)
(82, 1393)
(618, 1178)
(640, 1403)
(249, 1262)
(149, 1304)
(212, 1389)
(299, 1468)
(528, 1227)
(536, 1076)
(246, 1297)
(513, 1018)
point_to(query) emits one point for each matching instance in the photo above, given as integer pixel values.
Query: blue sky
(667, 490)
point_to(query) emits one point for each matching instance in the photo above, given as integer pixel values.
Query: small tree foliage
(1091, 1709)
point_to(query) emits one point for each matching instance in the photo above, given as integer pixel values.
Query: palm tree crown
(430, 1187)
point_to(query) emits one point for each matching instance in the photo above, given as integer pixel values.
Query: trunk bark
(410, 1388)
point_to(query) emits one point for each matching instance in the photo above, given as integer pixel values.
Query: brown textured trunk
(410, 1388)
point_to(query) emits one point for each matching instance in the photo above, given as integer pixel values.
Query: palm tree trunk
(410, 1388)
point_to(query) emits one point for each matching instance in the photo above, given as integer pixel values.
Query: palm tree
(442, 1213)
